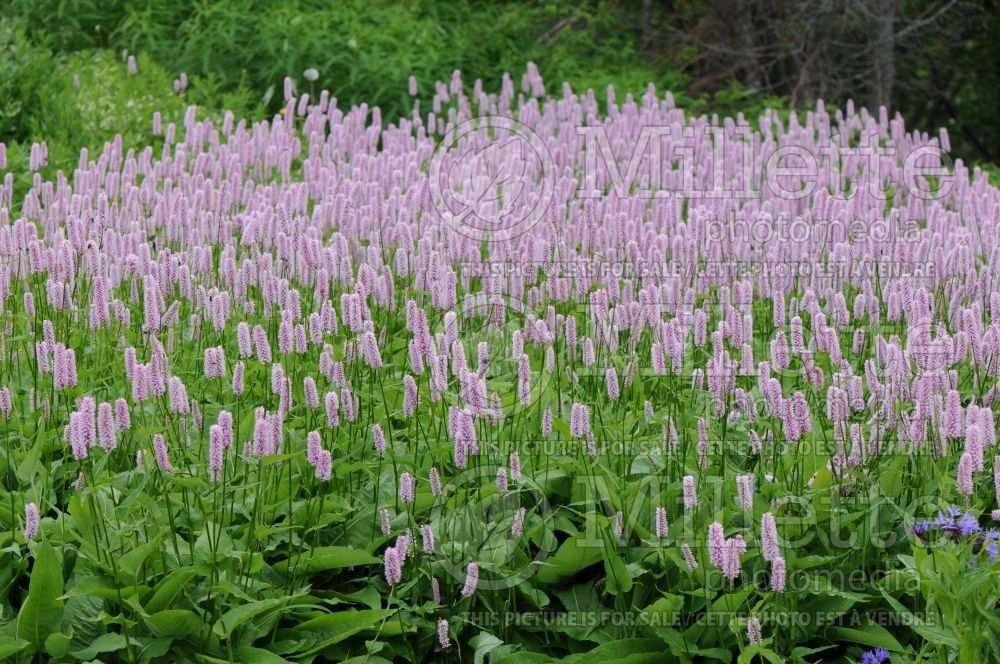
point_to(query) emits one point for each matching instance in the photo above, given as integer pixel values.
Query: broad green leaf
(326, 558)
(30, 465)
(131, 562)
(581, 602)
(249, 655)
(169, 588)
(335, 627)
(82, 618)
(573, 555)
(99, 586)
(41, 613)
(153, 650)
(10, 646)
(755, 653)
(932, 633)
(660, 618)
(484, 643)
(525, 658)
(57, 644)
(869, 635)
(236, 617)
(112, 642)
(619, 578)
(174, 623)
(637, 651)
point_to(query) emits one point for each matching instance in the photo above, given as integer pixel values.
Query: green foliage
(87, 98)
(42, 610)
(29, 81)
(364, 51)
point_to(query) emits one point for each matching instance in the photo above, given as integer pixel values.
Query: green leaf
(30, 463)
(753, 652)
(660, 617)
(572, 556)
(619, 578)
(249, 655)
(82, 618)
(870, 635)
(580, 601)
(326, 558)
(10, 646)
(99, 586)
(483, 644)
(525, 658)
(132, 561)
(174, 623)
(236, 617)
(57, 644)
(633, 651)
(168, 589)
(41, 613)
(932, 633)
(112, 642)
(154, 649)
(335, 627)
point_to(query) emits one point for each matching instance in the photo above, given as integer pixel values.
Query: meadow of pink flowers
(519, 377)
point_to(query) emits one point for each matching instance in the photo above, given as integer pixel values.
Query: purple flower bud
(690, 493)
(177, 395)
(515, 466)
(745, 488)
(215, 451)
(689, 559)
(579, 423)
(661, 522)
(406, 487)
(379, 439)
(428, 538)
(238, 380)
(965, 465)
(410, 398)
(310, 392)
(471, 580)
(546, 423)
(332, 409)
(716, 542)
(502, 479)
(5, 403)
(518, 526)
(30, 521)
(261, 345)
(324, 465)
(160, 450)
(442, 623)
(122, 416)
(769, 537)
(778, 575)
(394, 565)
(753, 632)
(106, 427)
(611, 378)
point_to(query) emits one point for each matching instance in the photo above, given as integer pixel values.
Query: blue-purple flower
(987, 541)
(876, 656)
(956, 523)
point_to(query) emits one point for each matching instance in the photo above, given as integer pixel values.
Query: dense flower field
(515, 379)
